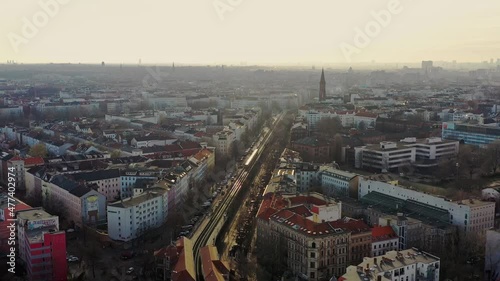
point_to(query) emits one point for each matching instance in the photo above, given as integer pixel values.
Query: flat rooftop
(370, 268)
(399, 146)
(136, 200)
(34, 215)
(36, 235)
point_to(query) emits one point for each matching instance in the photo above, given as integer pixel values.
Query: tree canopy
(329, 127)
(38, 150)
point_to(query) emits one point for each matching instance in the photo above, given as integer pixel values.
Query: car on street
(72, 258)
(127, 255)
(130, 270)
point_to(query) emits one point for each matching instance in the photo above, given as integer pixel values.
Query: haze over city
(249, 140)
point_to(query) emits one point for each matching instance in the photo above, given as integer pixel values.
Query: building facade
(42, 246)
(411, 265)
(132, 217)
(470, 215)
(480, 135)
(384, 239)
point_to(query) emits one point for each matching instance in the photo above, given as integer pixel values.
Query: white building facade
(132, 217)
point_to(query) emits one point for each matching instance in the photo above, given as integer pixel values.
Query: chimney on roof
(375, 261)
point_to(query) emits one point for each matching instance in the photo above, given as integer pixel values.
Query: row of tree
(471, 162)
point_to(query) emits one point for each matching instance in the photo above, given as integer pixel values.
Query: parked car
(130, 270)
(72, 258)
(128, 255)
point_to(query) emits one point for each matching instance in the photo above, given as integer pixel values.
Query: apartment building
(223, 142)
(384, 239)
(313, 149)
(148, 141)
(411, 265)
(107, 180)
(306, 176)
(313, 115)
(174, 262)
(7, 204)
(338, 182)
(129, 178)
(212, 267)
(42, 246)
(360, 240)
(82, 203)
(302, 226)
(132, 217)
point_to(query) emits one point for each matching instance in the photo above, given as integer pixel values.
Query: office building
(480, 135)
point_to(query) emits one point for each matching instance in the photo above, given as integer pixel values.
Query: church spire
(322, 86)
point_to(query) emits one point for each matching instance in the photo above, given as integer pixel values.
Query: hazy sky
(253, 31)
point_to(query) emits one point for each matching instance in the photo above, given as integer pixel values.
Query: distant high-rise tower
(427, 66)
(173, 67)
(322, 87)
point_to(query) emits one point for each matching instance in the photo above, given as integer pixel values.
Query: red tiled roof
(213, 269)
(352, 225)
(381, 233)
(271, 203)
(33, 161)
(16, 158)
(199, 134)
(301, 210)
(189, 145)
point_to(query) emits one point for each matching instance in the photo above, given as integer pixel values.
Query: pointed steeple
(322, 86)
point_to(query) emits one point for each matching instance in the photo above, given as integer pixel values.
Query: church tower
(322, 87)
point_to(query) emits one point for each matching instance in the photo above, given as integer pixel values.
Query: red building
(299, 131)
(179, 150)
(312, 149)
(4, 219)
(42, 247)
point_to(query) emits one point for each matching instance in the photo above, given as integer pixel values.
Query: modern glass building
(480, 135)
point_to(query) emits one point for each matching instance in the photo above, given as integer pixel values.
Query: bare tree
(491, 158)
(329, 127)
(492, 256)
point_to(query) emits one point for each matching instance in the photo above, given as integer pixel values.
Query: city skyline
(232, 32)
